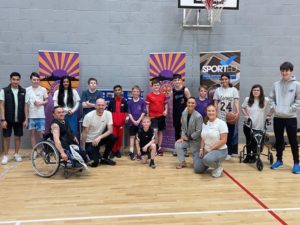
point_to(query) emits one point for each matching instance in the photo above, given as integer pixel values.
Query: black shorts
(159, 123)
(18, 129)
(133, 130)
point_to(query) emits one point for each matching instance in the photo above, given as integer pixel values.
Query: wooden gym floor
(131, 193)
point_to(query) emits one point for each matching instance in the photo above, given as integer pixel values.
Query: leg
(180, 146)
(72, 120)
(152, 156)
(214, 158)
(199, 166)
(229, 143)
(279, 138)
(291, 130)
(93, 153)
(247, 133)
(17, 144)
(115, 133)
(109, 142)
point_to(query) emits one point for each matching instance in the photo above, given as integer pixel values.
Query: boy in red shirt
(157, 109)
(119, 109)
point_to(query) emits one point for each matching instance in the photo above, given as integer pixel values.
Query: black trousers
(290, 124)
(94, 151)
(232, 147)
(251, 143)
(177, 127)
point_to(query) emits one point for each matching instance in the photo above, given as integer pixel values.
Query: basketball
(231, 118)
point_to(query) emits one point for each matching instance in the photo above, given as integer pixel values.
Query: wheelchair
(260, 138)
(46, 160)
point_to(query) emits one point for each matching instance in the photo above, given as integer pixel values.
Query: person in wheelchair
(257, 108)
(63, 138)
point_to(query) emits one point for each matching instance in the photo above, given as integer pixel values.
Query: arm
(104, 135)
(197, 133)
(141, 117)
(165, 113)
(55, 132)
(76, 101)
(147, 145)
(147, 110)
(2, 110)
(296, 105)
(187, 93)
(26, 115)
(84, 136)
(237, 106)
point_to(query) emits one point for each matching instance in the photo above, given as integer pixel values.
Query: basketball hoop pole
(187, 15)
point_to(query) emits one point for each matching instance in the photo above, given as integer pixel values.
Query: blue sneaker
(296, 168)
(276, 165)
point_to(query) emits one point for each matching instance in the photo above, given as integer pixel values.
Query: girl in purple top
(203, 101)
(136, 112)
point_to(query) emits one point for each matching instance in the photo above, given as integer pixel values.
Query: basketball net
(214, 9)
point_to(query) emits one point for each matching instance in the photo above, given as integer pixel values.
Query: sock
(131, 150)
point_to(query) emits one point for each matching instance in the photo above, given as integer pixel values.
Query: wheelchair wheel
(259, 164)
(271, 158)
(45, 159)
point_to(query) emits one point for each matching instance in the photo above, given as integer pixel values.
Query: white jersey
(36, 94)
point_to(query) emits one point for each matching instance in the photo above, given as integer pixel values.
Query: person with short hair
(203, 101)
(38, 98)
(285, 100)
(97, 131)
(14, 115)
(119, 108)
(136, 112)
(157, 110)
(146, 142)
(90, 96)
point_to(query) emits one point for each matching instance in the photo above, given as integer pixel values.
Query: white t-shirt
(258, 115)
(96, 124)
(226, 98)
(36, 94)
(76, 100)
(211, 132)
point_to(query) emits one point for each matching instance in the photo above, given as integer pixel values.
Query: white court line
(18, 222)
(7, 170)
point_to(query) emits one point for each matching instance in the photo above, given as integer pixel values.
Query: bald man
(97, 131)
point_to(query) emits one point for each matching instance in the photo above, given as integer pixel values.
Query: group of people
(206, 126)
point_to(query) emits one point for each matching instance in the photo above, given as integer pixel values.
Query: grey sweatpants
(194, 145)
(212, 159)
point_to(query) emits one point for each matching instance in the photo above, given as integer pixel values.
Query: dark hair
(15, 74)
(34, 74)
(177, 76)
(192, 98)
(261, 96)
(136, 87)
(155, 81)
(61, 93)
(228, 76)
(56, 107)
(286, 66)
(92, 79)
(117, 86)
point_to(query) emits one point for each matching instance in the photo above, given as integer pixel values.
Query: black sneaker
(112, 155)
(118, 154)
(247, 159)
(174, 154)
(152, 164)
(131, 155)
(108, 162)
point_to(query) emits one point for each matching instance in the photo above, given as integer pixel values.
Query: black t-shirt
(179, 103)
(145, 137)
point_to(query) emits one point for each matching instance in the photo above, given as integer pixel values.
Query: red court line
(255, 198)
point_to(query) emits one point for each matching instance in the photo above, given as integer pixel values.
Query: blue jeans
(73, 123)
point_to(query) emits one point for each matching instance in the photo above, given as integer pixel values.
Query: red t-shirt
(156, 103)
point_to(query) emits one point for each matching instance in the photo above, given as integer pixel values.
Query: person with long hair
(226, 100)
(255, 107)
(68, 98)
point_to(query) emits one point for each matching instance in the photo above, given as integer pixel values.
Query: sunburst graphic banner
(52, 66)
(163, 66)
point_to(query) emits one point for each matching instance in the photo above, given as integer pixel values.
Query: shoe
(5, 160)
(108, 162)
(296, 168)
(118, 154)
(247, 159)
(90, 163)
(276, 165)
(18, 157)
(152, 164)
(131, 155)
(217, 172)
(139, 157)
(174, 154)
(181, 165)
(228, 157)
(252, 159)
(112, 155)
(160, 152)
(186, 154)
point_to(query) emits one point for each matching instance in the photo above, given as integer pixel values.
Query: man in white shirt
(97, 131)
(37, 99)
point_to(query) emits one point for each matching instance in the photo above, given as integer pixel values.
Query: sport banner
(212, 66)
(164, 66)
(52, 66)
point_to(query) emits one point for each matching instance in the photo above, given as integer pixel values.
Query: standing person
(191, 132)
(90, 96)
(68, 98)
(38, 98)
(203, 101)
(180, 96)
(285, 98)
(226, 100)
(136, 113)
(97, 131)
(255, 107)
(146, 142)
(213, 149)
(14, 115)
(119, 108)
(157, 109)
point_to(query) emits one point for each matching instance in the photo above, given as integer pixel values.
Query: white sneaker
(228, 157)
(217, 172)
(18, 158)
(4, 160)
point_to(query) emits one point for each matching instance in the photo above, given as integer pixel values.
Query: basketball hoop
(214, 9)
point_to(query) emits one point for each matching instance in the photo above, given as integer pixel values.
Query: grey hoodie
(285, 98)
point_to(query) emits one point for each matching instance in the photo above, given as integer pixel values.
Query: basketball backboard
(229, 4)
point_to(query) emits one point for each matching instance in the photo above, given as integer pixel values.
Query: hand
(76, 140)
(38, 103)
(64, 156)
(136, 123)
(179, 141)
(4, 124)
(201, 153)
(25, 124)
(69, 112)
(144, 149)
(165, 113)
(96, 141)
(184, 138)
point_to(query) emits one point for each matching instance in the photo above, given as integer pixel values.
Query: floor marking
(256, 199)
(124, 216)
(7, 170)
